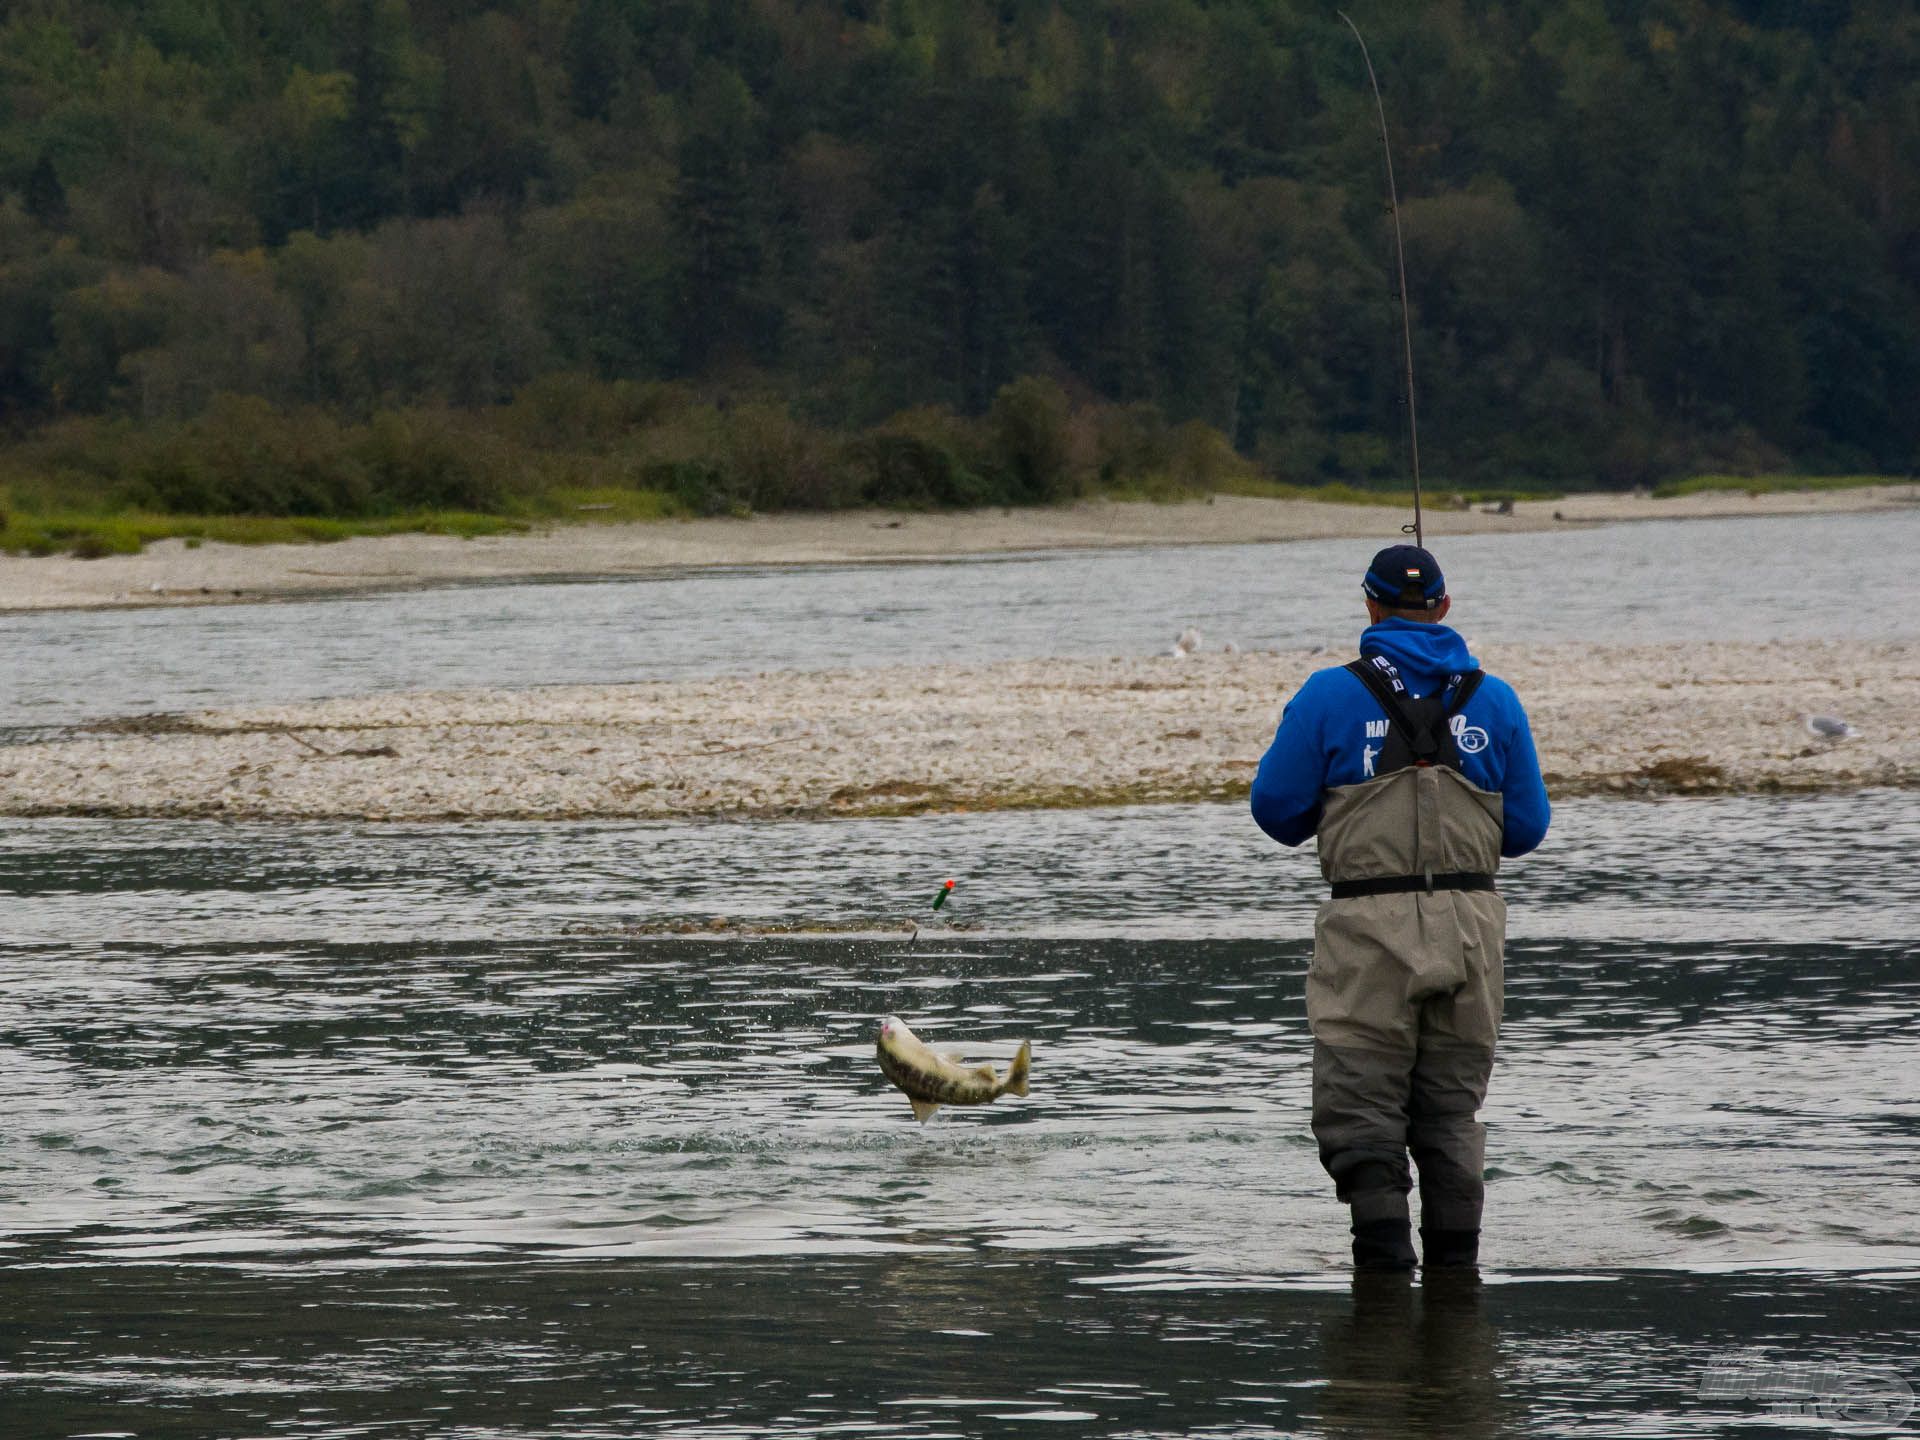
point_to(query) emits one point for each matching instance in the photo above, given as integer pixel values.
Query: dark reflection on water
(351, 1130)
(912, 1346)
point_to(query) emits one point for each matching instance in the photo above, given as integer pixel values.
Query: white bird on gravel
(1828, 727)
(1188, 642)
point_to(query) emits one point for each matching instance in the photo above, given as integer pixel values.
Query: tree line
(1643, 236)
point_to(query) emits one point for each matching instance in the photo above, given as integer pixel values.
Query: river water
(424, 1131)
(357, 1130)
(1748, 579)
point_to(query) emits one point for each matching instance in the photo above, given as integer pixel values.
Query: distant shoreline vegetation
(352, 264)
(1771, 484)
(570, 448)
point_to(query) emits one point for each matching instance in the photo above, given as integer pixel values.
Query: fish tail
(1016, 1081)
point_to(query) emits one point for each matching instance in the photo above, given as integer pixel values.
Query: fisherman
(1418, 773)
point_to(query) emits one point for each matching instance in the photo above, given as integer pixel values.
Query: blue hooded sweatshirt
(1332, 731)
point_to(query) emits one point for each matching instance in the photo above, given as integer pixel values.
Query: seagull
(1828, 727)
(1188, 642)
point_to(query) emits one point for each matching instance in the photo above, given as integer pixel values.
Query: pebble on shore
(1715, 717)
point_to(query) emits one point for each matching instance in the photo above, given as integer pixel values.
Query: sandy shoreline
(1705, 718)
(170, 573)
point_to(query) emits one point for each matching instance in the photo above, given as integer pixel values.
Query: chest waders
(1406, 986)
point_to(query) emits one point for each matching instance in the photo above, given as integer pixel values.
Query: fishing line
(1074, 592)
(1102, 546)
(1400, 258)
(938, 901)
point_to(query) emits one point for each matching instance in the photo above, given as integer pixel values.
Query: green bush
(91, 546)
(700, 486)
(927, 458)
(419, 460)
(781, 463)
(571, 411)
(569, 446)
(900, 469)
(1131, 443)
(243, 457)
(1032, 440)
(74, 458)
(1203, 460)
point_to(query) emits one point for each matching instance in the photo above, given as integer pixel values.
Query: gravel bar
(1701, 718)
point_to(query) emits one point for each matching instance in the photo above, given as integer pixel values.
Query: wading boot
(1450, 1249)
(1376, 1194)
(1383, 1245)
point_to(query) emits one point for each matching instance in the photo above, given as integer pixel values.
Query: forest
(336, 258)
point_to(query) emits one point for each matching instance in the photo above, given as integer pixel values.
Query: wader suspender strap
(1416, 723)
(1378, 674)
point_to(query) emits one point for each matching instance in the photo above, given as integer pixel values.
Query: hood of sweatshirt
(1424, 653)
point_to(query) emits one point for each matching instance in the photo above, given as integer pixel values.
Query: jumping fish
(930, 1079)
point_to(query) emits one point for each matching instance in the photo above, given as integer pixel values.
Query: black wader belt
(1407, 884)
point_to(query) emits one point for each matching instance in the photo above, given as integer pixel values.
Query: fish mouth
(887, 1027)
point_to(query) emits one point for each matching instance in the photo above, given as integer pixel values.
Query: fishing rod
(1400, 257)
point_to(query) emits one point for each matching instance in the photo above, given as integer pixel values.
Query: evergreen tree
(1640, 238)
(718, 222)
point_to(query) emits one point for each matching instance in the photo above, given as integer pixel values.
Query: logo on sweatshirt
(1471, 739)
